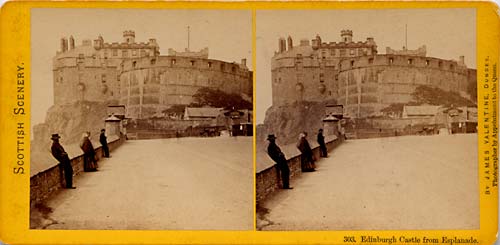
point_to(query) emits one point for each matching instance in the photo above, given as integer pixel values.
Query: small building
(202, 113)
(420, 111)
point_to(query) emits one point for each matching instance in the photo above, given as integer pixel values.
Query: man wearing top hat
(60, 154)
(275, 153)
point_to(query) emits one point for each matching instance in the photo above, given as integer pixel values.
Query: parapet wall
(268, 179)
(45, 183)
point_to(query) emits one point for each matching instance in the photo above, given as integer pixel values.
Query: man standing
(322, 146)
(275, 153)
(104, 143)
(60, 154)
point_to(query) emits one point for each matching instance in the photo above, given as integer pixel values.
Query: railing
(44, 183)
(268, 179)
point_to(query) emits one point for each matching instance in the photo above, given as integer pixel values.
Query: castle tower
(129, 37)
(290, 43)
(71, 43)
(99, 42)
(346, 36)
(281, 45)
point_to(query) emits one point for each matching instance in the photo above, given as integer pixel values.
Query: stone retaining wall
(268, 179)
(45, 183)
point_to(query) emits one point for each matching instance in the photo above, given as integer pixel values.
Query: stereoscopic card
(249, 122)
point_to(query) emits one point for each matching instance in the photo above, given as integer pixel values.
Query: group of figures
(89, 155)
(307, 159)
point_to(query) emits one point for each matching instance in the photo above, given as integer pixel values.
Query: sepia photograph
(366, 120)
(141, 119)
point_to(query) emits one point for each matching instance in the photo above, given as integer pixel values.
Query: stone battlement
(186, 62)
(403, 60)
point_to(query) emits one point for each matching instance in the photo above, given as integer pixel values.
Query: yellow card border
(14, 128)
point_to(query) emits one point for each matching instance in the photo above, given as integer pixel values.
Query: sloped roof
(202, 112)
(421, 110)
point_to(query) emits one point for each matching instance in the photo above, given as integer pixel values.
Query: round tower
(346, 36)
(129, 37)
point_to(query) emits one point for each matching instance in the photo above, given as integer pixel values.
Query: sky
(227, 34)
(447, 34)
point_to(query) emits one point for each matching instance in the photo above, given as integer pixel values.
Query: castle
(357, 77)
(137, 76)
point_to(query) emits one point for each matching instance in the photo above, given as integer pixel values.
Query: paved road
(410, 182)
(187, 183)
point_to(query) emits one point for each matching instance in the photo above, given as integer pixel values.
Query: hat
(271, 137)
(55, 136)
(102, 130)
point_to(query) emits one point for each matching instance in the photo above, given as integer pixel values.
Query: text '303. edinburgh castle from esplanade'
(354, 75)
(136, 75)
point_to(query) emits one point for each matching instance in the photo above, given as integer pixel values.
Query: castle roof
(302, 50)
(87, 51)
(203, 112)
(420, 110)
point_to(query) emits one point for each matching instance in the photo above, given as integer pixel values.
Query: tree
(435, 96)
(219, 98)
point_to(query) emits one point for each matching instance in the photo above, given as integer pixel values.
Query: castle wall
(151, 85)
(87, 78)
(369, 84)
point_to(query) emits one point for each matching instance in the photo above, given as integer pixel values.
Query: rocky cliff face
(70, 122)
(288, 121)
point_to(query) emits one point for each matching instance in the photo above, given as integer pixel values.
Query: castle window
(352, 52)
(336, 77)
(192, 62)
(222, 67)
(233, 69)
(118, 77)
(134, 52)
(352, 63)
(451, 67)
(342, 52)
(153, 61)
(209, 64)
(440, 64)
(332, 52)
(410, 61)
(330, 93)
(143, 52)
(391, 60)
(370, 61)
(80, 56)
(103, 78)
(134, 64)
(115, 52)
(105, 54)
(427, 62)
(172, 61)
(124, 53)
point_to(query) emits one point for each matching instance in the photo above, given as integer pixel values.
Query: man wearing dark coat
(323, 152)
(60, 154)
(104, 143)
(275, 153)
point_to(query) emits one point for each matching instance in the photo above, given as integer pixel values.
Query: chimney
(64, 44)
(71, 43)
(244, 62)
(282, 45)
(461, 60)
(290, 43)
